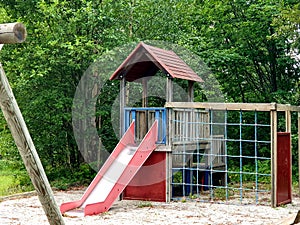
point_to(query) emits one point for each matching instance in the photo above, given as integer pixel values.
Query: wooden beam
(11, 33)
(273, 124)
(299, 149)
(223, 106)
(288, 121)
(169, 91)
(123, 91)
(27, 151)
(145, 92)
(288, 107)
(190, 91)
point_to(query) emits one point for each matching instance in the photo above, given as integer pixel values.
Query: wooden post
(11, 33)
(169, 91)
(145, 92)
(288, 121)
(273, 157)
(16, 33)
(191, 91)
(122, 105)
(288, 128)
(299, 148)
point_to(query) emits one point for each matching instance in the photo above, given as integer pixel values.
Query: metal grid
(231, 162)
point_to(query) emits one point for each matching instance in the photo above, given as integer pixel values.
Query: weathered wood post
(9, 34)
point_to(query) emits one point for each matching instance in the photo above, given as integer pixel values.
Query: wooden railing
(188, 125)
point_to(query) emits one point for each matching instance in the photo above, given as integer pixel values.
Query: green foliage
(238, 42)
(64, 179)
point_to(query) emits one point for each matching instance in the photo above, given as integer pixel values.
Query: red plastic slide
(118, 170)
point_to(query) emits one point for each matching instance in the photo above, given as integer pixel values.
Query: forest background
(251, 46)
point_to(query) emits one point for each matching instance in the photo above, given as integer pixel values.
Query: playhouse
(208, 151)
(197, 153)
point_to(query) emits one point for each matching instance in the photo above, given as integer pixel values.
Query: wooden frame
(234, 106)
(273, 108)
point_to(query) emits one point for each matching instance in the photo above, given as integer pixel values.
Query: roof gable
(146, 60)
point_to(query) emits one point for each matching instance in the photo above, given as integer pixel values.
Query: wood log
(11, 33)
(27, 151)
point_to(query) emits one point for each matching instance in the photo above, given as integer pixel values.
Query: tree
(239, 45)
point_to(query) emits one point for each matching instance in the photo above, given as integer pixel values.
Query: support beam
(169, 91)
(27, 151)
(123, 91)
(273, 124)
(299, 148)
(145, 92)
(11, 33)
(191, 91)
(288, 128)
(288, 121)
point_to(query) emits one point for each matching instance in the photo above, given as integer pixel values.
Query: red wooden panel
(149, 184)
(284, 176)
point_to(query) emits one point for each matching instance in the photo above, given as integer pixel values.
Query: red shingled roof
(146, 60)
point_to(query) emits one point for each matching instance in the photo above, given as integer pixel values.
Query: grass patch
(13, 180)
(10, 184)
(145, 204)
(6, 183)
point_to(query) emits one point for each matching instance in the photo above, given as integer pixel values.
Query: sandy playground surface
(27, 210)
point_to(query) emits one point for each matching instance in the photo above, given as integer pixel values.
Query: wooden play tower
(201, 150)
(153, 181)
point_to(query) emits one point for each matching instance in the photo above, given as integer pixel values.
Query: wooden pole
(123, 91)
(273, 157)
(11, 33)
(299, 150)
(191, 91)
(21, 134)
(27, 151)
